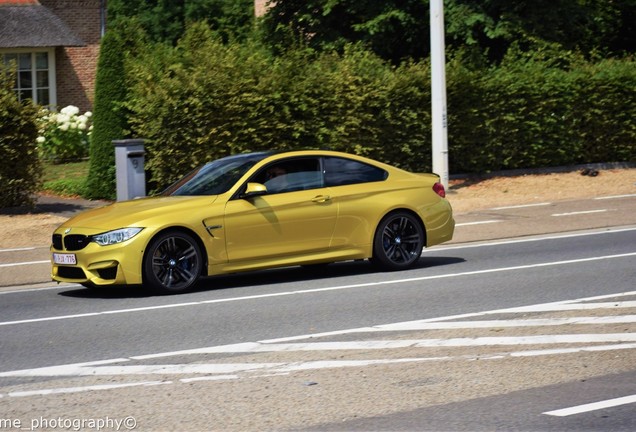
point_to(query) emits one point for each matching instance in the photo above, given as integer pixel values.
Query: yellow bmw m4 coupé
(256, 211)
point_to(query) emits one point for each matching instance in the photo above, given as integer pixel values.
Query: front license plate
(59, 258)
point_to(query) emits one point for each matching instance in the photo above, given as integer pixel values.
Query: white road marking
(264, 346)
(25, 263)
(231, 371)
(228, 369)
(573, 307)
(596, 348)
(579, 213)
(478, 223)
(325, 289)
(20, 249)
(44, 392)
(44, 288)
(615, 197)
(592, 406)
(414, 343)
(521, 206)
(211, 378)
(219, 371)
(522, 309)
(529, 239)
(414, 325)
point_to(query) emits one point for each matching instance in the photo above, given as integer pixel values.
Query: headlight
(115, 236)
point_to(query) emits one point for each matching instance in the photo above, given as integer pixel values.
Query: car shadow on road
(298, 274)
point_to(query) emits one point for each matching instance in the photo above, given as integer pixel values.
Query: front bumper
(118, 264)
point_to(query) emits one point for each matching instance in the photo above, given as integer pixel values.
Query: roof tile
(29, 26)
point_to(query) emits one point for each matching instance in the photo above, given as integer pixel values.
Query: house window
(35, 75)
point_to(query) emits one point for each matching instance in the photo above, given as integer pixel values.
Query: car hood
(140, 212)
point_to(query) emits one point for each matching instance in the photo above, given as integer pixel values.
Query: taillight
(438, 188)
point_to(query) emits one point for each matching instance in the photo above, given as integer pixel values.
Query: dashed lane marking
(579, 213)
(22, 249)
(478, 222)
(521, 206)
(610, 403)
(25, 263)
(615, 197)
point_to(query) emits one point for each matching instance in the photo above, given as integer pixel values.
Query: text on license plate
(59, 258)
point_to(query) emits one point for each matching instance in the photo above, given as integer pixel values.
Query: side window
(35, 75)
(341, 171)
(291, 175)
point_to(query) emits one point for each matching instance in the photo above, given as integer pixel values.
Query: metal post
(438, 92)
(129, 165)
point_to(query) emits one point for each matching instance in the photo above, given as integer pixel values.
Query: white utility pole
(438, 92)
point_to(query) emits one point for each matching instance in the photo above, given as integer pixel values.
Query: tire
(172, 263)
(398, 241)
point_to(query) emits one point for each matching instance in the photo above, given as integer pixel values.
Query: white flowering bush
(64, 135)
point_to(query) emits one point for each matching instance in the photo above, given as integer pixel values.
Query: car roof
(316, 152)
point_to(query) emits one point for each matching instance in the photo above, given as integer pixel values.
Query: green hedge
(204, 99)
(605, 112)
(536, 114)
(20, 170)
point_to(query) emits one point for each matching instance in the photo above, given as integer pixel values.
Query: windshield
(215, 177)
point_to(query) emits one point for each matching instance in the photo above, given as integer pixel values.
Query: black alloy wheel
(398, 242)
(172, 263)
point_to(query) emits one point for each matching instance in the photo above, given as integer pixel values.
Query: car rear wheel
(398, 241)
(172, 263)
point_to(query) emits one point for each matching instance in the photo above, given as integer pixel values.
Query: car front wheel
(398, 241)
(172, 263)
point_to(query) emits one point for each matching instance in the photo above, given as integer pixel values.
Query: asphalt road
(530, 332)
(28, 267)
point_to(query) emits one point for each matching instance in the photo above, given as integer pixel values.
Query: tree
(399, 29)
(110, 118)
(20, 171)
(491, 26)
(393, 29)
(232, 19)
(165, 20)
(162, 20)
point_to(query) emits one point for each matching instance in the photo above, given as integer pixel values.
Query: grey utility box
(129, 163)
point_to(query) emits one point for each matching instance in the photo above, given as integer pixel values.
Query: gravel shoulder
(466, 195)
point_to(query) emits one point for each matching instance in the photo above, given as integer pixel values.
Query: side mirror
(254, 189)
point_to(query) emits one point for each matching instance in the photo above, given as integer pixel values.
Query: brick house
(55, 45)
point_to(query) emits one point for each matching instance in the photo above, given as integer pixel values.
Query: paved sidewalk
(60, 206)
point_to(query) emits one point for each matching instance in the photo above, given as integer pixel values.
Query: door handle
(321, 198)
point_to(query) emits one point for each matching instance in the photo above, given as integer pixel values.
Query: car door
(357, 189)
(295, 218)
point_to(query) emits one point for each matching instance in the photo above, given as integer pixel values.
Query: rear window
(341, 171)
